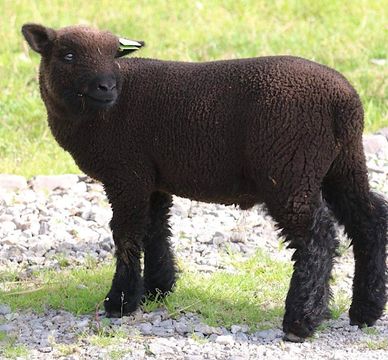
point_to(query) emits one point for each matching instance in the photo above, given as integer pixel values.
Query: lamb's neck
(64, 128)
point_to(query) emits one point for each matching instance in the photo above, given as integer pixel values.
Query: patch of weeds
(322, 327)
(74, 233)
(3, 336)
(182, 235)
(106, 335)
(154, 304)
(147, 349)
(340, 305)
(62, 260)
(66, 349)
(10, 350)
(198, 339)
(102, 340)
(281, 245)
(119, 353)
(343, 248)
(15, 351)
(90, 262)
(8, 278)
(370, 331)
(377, 344)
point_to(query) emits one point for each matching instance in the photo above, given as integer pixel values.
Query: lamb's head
(79, 68)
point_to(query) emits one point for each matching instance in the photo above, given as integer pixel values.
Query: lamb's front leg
(128, 224)
(309, 293)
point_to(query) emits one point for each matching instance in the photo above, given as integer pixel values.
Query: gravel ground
(52, 218)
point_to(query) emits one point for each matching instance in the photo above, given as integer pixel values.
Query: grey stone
(5, 309)
(204, 239)
(213, 337)
(145, 328)
(224, 340)
(219, 238)
(43, 228)
(49, 183)
(205, 329)
(182, 327)
(6, 218)
(193, 357)
(12, 182)
(83, 324)
(269, 335)
(375, 144)
(45, 349)
(7, 227)
(166, 323)
(384, 132)
(79, 187)
(353, 328)
(107, 244)
(100, 215)
(7, 328)
(199, 335)
(154, 318)
(235, 329)
(241, 337)
(161, 331)
(162, 349)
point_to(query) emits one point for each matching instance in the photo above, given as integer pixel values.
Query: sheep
(279, 130)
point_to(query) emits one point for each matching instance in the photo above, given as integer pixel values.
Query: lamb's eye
(69, 57)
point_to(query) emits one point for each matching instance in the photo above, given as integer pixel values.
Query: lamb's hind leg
(310, 230)
(159, 264)
(365, 216)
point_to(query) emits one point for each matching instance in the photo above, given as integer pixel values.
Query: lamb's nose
(107, 85)
(103, 88)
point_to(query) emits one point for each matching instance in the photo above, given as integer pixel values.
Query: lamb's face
(79, 67)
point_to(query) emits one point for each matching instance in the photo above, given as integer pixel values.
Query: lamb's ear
(127, 46)
(40, 38)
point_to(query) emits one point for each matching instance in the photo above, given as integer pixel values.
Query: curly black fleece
(280, 130)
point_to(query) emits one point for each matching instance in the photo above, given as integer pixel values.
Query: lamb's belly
(240, 191)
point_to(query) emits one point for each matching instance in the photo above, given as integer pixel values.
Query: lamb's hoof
(118, 305)
(363, 316)
(298, 329)
(293, 338)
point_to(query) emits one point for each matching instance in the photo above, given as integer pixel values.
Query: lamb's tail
(345, 186)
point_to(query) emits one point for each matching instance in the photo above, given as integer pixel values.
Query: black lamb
(278, 130)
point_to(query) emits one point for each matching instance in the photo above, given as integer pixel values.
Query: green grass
(9, 349)
(377, 344)
(66, 349)
(118, 354)
(343, 34)
(76, 290)
(340, 305)
(370, 331)
(253, 295)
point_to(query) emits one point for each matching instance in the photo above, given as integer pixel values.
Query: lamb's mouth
(100, 102)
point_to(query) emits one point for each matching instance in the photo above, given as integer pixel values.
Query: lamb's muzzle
(102, 90)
